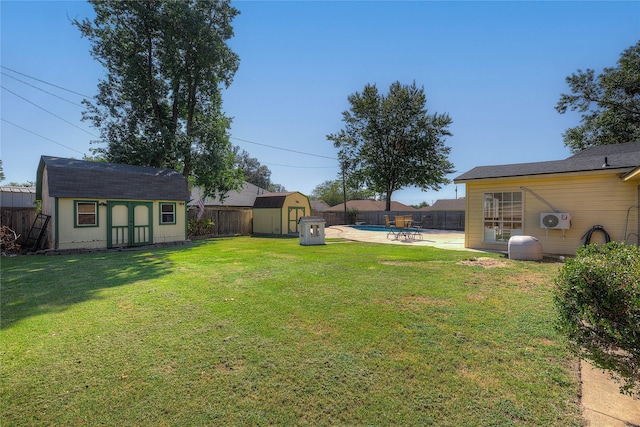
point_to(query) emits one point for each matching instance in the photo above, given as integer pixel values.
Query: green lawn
(256, 331)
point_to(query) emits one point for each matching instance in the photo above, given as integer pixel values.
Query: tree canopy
(254, 172)
(332, 193)
(609, 103)
(160, 102)
(391, 142)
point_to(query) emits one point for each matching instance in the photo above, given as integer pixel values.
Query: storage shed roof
(85, 179)
(271, 200)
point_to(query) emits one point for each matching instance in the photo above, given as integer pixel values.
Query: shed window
(86, 214)
(167, 213)
(502, 216)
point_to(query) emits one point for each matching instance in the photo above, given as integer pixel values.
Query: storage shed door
(295, 213)
(129, 224)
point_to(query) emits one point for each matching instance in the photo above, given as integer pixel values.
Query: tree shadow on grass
(35, 285)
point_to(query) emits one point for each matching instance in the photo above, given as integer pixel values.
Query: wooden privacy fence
(441, 220)
(19, 220)
(227, 222)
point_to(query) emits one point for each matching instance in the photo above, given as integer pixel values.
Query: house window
(502, 216)
(167, 213)
(86, 213)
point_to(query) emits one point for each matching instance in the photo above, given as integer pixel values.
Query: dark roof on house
(245, 197)
(604, 157)
(446, 205)
(100, 180)
(318, 204)
(271, 200)
(370, 206)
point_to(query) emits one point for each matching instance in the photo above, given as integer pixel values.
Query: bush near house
(598, 297)
(200, 227)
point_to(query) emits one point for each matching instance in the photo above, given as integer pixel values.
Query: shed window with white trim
(86, 213)
(167, 213)
(503, 213)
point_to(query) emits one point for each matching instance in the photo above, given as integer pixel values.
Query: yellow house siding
(601, 199)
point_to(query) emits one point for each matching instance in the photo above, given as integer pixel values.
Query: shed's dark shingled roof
(84, 179)
(619, 156)
(271, 200)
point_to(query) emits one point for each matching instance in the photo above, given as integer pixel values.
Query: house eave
(620, 171)
(632, 174)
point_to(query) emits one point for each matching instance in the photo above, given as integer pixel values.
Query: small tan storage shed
(279, 213)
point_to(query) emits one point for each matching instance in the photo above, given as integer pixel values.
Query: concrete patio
(445, 239)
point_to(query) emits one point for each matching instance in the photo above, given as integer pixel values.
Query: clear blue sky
(497, 68)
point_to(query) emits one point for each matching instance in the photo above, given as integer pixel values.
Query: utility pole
(344, 190)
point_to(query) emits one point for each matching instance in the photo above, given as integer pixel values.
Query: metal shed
(13, 197)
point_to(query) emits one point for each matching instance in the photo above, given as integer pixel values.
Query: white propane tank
(525, 248)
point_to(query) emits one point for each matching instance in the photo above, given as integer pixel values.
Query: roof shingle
(618, 156)
(85, 179)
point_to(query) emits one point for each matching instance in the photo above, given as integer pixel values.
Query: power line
(41, 136)
(45, 82)
(40, 89)
(47, 111)
(284, 149)
(301, 167)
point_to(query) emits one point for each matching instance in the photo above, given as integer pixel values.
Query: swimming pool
(370, 227)
(375, 228)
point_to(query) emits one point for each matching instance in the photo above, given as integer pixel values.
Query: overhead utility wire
(40, 89)
(284, 149)
(47, 111)
(45, 82)
(301, 167)
(41, 136)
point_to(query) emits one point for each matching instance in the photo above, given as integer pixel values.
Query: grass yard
(256, 331)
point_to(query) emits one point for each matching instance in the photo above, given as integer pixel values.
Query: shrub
(200, 227)
(598, 297)
(352, 215)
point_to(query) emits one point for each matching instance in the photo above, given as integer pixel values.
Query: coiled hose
(589, 233)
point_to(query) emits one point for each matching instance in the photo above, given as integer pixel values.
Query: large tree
(160, 103)
(332, 192)
(255, 172)
(391, 142)
(609, 103)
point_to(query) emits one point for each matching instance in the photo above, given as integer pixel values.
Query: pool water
(370, 227)
(373, 228)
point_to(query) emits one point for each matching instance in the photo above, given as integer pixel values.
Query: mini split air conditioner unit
(555, 220)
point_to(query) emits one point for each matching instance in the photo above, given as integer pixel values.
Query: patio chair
(401, 224)
(391, 226)
(417, 230)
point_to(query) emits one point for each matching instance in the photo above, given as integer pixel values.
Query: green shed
(279, 213)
